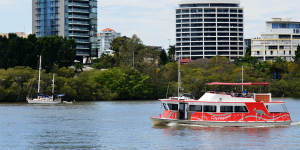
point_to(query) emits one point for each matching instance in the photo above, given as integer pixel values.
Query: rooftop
(107, 29)
(210, 1)
(282, 20)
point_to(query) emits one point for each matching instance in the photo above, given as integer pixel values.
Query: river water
(127, 126)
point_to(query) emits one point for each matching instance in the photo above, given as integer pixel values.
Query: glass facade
(47, 17)
(75, 19)
(286, 25)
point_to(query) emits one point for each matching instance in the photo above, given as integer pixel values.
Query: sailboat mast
(40, 68)
(179, 76)
(53, 84)
(242, 78)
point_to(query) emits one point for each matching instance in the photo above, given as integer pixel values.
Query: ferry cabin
(214, 107)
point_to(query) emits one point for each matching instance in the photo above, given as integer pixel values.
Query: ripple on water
(126, 125)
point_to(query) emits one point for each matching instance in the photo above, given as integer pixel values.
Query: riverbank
(150, 82)
(150, 74)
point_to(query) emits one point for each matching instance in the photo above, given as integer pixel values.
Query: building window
(290, 52)
(273, 47)
(271, 52)
(257, 52)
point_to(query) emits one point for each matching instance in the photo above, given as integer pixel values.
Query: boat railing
(235, 94)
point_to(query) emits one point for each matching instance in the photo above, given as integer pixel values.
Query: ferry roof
(249, 83)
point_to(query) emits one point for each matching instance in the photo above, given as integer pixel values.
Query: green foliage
(104, 62)
(297, 55)
(18, 51)
(171, 53)
(163, 57)
(131, 52)
(116, 77)
(124, 84)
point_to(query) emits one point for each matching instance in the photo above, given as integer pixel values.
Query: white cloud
(154, 20)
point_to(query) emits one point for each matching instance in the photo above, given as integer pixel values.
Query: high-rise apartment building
(281, 38)
(75, 19)
(104, 40)
(206, 28)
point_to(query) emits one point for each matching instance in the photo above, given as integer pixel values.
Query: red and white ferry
(225, 109)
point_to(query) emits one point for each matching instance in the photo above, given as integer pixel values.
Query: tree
(279, 67)
(56, 50)
(171, 53)
(104, 62)
(18, 51)
(297, 55)
(163, 57)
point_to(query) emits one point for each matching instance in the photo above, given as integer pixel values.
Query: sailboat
(43, 99)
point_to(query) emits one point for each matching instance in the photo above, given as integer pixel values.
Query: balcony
(82, 47)
(79, 29)
(74, 10)
(82, 41)
(78, 35)
(79, 17)
(79, 23)
(82, 53)
(76, 4)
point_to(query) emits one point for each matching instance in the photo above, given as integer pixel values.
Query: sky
(153, 21)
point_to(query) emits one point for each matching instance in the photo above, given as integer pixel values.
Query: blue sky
(152, 20)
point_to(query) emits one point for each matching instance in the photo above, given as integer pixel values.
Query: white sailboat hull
(43, 101)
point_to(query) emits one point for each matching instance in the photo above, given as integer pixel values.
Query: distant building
(75, 19)
(247, 44)
(104, 40)
(281, 38)
(155, 47)
(19, 34)
(207, 28)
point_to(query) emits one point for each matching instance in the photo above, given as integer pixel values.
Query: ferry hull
(165, 122)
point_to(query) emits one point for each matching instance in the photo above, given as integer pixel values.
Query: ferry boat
(225, 109)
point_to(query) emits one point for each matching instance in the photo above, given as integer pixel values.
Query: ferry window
(226, 109)
(196, 108)
(240, 109)
(276, 108)
(210, 108)
(165, 106)
(173, 106)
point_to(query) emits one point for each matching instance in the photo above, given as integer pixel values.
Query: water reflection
(127, 125)
(218, 137)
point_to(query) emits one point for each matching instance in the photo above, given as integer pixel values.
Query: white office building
(281, 38)
(104, 40)
(206, 28)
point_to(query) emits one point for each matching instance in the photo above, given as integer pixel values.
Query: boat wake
(295, 123)
(172, 124)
